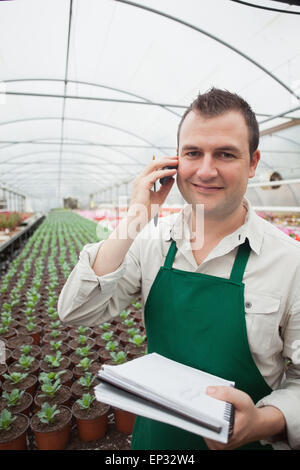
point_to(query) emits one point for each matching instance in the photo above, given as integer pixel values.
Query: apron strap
(170, 255)
(240, 262)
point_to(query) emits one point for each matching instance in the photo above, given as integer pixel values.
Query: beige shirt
(272, 295)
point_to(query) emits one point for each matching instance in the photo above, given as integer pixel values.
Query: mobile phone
(165, 179)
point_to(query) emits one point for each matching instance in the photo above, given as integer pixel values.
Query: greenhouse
(104, 264)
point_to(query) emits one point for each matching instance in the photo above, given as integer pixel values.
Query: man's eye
(226, 155)
(192, 154)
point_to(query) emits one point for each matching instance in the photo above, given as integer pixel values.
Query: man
(222, 304)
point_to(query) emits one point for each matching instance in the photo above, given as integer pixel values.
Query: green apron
(199, 320)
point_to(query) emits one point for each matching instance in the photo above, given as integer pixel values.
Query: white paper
(172, 383)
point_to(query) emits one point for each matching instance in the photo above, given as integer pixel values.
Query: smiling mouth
(207, 189)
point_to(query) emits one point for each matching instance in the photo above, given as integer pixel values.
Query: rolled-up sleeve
(287, 397)
(88, 299)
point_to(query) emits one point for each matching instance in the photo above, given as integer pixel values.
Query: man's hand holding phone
(143, 196)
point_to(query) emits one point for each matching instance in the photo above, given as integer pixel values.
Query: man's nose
(207, 167)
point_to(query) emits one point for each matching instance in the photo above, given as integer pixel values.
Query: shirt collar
(252, 229)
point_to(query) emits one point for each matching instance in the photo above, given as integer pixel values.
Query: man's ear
(254, 162)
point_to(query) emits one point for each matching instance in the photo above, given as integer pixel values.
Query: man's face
(214, 162)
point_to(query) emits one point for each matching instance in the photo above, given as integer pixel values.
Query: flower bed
(29, 293)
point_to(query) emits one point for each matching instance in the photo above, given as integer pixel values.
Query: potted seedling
(33, 330)
(54, 346)
(18, 401)
(106, 326)
(7, 332)
(126, 324)
(57, 362)
(54, 335)
(103, 339)
(136, 346)
(13, 430)
(125, 335)
(137, 305)
(91, 417)
(80, 341)
(28, 364)
(52, 393)
(54, 325)
(86, 365)
(27, 350)
(84, 384)
(118, 357)
(65, 376)
(22, 381)
(51, 427)
(83, 352)
(80, 330)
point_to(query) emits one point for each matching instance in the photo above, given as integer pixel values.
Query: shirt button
(248, 304)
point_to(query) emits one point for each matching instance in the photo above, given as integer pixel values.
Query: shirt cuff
(89, 278)
(286, 404)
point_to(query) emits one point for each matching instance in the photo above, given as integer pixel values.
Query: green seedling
(6, 321)
(83, 352)
(56, 324)
(132, 332)
(82, 340)
(26, 349)
(86, 401)
(56, 345)
(15, 377)
(14, 397)
(30, 326)
(25, 362)
(6, 420)
(54, 361)
(49, 389)
(137, 305)
(137, 340)
(54, 333)
(48, 413)
(7, 307)
(87, 380)
(111, 345)
(124, 314)
(107, 336)
(119, 357)
(105, 326)
(129, 322)
(45, 377)
(3, 329)
(85, 363)
(82, 330)
(54, 315)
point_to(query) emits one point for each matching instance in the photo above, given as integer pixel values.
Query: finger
(230, 394)
(157, 164)
(156, 175)
(214, 445)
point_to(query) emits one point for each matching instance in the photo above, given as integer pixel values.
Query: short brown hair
(216, 102)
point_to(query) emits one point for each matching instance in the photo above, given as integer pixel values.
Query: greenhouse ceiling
(91, 89)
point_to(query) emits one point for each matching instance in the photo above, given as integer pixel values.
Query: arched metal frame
(31, 178)
(88, 121)
(17, 157)
(189, 25)
(119, 90)
(215, 38)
